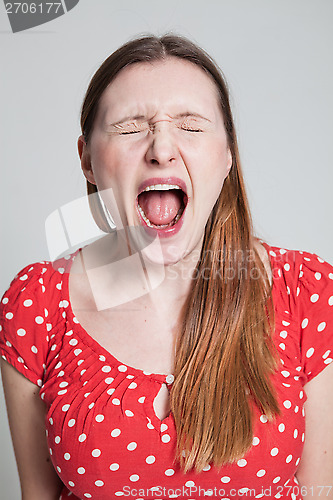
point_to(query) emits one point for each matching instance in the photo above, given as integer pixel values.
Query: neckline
(94, 344)
(102, 351)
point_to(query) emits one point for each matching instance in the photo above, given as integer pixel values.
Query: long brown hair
(224, 355)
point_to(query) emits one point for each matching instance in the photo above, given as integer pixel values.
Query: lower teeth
(160, 226)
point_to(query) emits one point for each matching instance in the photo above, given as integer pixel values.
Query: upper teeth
(161, 187)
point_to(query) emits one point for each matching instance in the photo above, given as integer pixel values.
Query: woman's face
(159, 142)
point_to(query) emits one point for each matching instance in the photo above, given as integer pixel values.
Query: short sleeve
(23, 324)
(315, 303)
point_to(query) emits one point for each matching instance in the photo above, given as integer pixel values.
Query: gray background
(277, 57)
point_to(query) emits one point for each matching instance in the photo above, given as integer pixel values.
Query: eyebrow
(185, 114)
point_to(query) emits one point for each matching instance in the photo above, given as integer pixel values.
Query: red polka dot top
(104, 437)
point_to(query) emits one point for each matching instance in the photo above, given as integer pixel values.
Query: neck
(118, 275)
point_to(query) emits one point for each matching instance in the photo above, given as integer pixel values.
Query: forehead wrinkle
(141, 118)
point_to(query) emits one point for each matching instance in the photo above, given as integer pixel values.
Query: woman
(173, 357)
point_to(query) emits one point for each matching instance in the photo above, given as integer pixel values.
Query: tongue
(160, 207)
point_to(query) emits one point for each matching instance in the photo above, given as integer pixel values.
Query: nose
(162, 149)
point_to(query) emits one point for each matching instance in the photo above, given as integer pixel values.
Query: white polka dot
(142, 399)
(27, 303)
(281, 427)
(70, 483)
(57, 439)
(110, 391)
(9, 315)
(115, 433)
(61, 270)
(314, 297)
(305, 322)
(119, 493)
(116, 401)
(34, 349)
(295, 433)
(255, 441)
(81, 470)
(87, 495)
(283, 334)
(59, 469)
(330, 276)
(317, 276)
(327, 353)
(263, 419)
(151, 459)
(99, 483)
(82, 438)
(242, 462)
(274, 451)
(129, 413)
(287, 267)
(91, 405)
(122, 368)
(330, 301)
(285, 373)
(109, 380)
(67, 456)
(276, 479)
(169, 472)
(99, 418)
(261, 472)
(65, 407)
(165, 438)
(163, 427)
(132, 446)
(289, 458)
(21, 332)
(22, 278)
(133, 385)
(321, 326)
(328, 361)
(71, 422)
(225, 479)
(73, 342)
(5, 300)
(134, 478)
(39, 320)
(287, 404)
(309, 352)
(96, 452)
(114, 466)
(106, 369)
(208, 467)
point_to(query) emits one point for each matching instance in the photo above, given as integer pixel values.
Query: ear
(85, 159)
(229, 161)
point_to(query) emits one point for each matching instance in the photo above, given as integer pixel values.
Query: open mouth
(161, 206)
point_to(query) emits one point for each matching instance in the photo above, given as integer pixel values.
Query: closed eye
(189, 129)
(130, 132)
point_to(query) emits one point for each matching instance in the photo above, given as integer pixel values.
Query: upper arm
(316, 465)
(26, 415)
